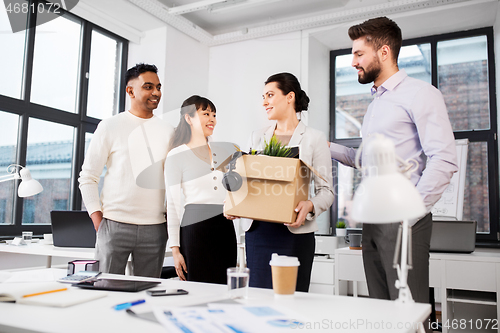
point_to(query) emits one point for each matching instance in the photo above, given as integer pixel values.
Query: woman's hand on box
(229, 217)
(302, 209)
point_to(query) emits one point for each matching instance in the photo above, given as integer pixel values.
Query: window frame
(488, 135)
(79, 120)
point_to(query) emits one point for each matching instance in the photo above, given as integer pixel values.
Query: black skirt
(208, 243)
(265, 238)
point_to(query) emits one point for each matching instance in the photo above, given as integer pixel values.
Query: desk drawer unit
(471, 275)
(435, 273)
(352, 267)
(323, 271)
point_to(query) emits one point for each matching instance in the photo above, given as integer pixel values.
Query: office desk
(98, 315)
(477, 271)
(40, 249)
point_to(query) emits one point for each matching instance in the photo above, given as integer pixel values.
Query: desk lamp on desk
(386, 196)
(28, 185)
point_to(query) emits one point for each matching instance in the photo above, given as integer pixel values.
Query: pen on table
(127, 305)
(45, 292)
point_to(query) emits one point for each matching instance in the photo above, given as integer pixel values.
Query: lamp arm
(408, 166)
(9, 177)
(402, 282)
(13, 173)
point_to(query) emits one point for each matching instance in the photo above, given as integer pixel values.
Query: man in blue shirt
(411, 113)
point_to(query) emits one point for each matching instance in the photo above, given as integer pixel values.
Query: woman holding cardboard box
(203, 242)
(283, 98)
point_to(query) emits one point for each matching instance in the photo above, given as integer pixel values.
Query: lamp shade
(28, 186)
(385, 195)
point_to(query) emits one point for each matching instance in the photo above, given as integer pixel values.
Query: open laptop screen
(453, 236)
(72, 229)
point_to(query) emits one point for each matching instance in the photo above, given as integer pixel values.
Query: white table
(40, 249)
(355, 314)
(477, 271)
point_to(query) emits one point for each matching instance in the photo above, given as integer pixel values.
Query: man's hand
(179, 263)
(96, 219)
(302, 209)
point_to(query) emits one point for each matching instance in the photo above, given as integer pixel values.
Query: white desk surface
(42, 249)
(480, 254)
(49, 250)
(98, 315)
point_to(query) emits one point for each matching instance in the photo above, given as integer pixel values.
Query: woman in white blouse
(282, 99)
(202, 240)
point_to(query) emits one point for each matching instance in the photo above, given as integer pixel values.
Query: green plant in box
(275, 148)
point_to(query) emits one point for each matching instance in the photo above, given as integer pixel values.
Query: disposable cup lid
(277, 260)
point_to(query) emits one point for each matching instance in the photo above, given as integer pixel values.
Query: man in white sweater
(129, 217)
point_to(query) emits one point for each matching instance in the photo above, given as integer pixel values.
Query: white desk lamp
(28, 186)
(385, 195)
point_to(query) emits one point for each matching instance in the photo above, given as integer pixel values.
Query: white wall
(318, 73)
(237, 73)
(151, 50)
(186, 71)
(182, 67)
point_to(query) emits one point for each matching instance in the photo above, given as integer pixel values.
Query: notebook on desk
(453, 236)
(72, 229)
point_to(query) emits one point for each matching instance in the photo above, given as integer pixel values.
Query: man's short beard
(369, 76)
(371, 73)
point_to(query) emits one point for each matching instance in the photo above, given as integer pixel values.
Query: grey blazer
(313, 150)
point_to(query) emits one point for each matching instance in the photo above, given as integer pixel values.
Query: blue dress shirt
(411, 113)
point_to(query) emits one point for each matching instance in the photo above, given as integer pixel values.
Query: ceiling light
(193, 7)
(238, 5)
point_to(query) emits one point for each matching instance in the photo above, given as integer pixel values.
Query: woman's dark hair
(182, 133)
(287, 82)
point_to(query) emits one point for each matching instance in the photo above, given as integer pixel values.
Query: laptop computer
(72, 229)
(453, 236)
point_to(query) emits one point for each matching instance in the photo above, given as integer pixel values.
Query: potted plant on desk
(340, 228)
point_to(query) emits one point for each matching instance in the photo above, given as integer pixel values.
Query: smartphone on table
(167, 292)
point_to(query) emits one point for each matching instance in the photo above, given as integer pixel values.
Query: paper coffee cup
(284, 273)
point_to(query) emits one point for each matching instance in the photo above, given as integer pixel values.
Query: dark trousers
(265, 238)
(207, 244)
(379, 242)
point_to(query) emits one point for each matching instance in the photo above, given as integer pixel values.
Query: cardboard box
(272, 188)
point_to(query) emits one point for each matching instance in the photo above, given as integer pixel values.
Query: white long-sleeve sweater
(199, 182)
(134, 150)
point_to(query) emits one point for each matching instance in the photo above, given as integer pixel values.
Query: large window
(460, 65)
(64, 76)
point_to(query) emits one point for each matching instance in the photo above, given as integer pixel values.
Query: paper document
(223, 318)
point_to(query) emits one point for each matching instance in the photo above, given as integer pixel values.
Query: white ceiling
(214, 22)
